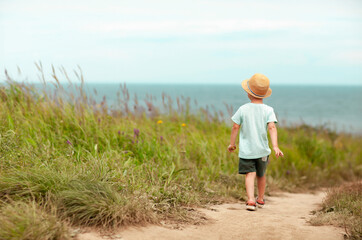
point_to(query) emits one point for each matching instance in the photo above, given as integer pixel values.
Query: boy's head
(257, 86)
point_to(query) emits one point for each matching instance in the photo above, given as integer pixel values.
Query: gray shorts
(253, 165)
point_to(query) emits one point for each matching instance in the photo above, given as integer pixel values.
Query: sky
(188, 41)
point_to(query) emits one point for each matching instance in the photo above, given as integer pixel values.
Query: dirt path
(283, 217)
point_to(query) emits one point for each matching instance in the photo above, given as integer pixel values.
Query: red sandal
(260, 203)
(251, 206)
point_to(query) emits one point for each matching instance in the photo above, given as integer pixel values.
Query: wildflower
(136, 132)
(161, 138)
(119, 132)
(183, 125)
(69, 143)
(159, 122)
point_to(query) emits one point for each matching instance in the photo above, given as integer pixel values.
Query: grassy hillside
(75, 161)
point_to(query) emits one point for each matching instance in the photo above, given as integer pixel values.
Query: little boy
(255, 117)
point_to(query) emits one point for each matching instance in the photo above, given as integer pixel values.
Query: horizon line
(194, 83)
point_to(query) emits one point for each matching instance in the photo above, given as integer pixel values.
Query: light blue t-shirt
(254, 119)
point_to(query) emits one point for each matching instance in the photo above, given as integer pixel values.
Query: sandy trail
(283, 217)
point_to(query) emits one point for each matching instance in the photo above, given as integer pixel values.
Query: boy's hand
(278, 153)
(231, 148)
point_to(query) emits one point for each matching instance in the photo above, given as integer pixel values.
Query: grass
(135, 163)
(28, 220)
(94, 203)
(343, 208)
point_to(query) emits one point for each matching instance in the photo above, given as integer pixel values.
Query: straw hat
(257, 86)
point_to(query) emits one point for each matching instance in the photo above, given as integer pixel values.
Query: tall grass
(28, 220)
(343, 208)
(133, 162)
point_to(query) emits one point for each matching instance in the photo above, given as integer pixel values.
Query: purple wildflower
(161, 138)
(69, 143)
(119, 132)
(136, 132)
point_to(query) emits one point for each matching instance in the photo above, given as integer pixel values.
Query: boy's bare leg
(249, 185)
(261, 187)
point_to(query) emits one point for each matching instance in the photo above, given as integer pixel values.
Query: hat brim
(244, 84)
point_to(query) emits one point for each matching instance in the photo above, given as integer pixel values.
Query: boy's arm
(274, 139)
(234, 133)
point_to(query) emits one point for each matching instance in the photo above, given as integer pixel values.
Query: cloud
(346, 57)
(159, 39)
(195, 27)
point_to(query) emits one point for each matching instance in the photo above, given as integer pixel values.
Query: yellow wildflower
(183, 125)
(159, 122)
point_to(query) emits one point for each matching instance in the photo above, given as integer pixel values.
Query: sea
(338, 108)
